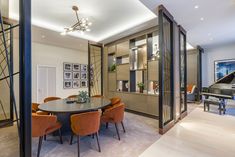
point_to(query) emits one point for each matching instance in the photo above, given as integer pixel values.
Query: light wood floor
(200, 134)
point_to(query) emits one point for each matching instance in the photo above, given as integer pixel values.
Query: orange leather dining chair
(114, 115)
(114, 101)
(43, 125)
(36, 110)
(51, 99)
(97, 96)
(85, 124)
(73, 96)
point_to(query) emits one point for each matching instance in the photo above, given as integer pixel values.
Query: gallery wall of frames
(75, 75)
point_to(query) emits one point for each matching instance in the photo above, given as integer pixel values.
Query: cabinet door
(153, 105)
(123, 72)
(111, 49)
(153, 71)
(112, 82)
(123, 49)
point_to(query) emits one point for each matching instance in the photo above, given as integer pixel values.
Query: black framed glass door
(183, 71)
(95, 75)
(166, 75)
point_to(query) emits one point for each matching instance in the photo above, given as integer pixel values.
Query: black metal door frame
(199, 79)
(163, 13)
(25, 78)
(9, 121)
(89, 65)
(183, 32)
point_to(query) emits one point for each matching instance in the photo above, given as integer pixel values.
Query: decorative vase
(141, 89)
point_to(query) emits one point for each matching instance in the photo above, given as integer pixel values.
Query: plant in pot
(141, 86)
(83, 96)
(113, 67)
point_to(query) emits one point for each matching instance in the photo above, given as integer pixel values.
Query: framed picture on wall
(76, 84)
(68, 67)
(67, 84)
(67, 75)
(84, 84)
(223, 68)
(76, 75)
(84, 67)
(84, 75)
(76, 67)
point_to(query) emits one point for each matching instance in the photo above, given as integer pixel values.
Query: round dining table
(64, 108)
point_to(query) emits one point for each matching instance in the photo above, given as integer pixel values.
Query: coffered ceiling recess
(108, 17)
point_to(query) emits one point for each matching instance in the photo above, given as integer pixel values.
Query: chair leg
(71, 139)
(93, 136)
(123, 126)
(78, 145)
(61, 140)
(117, 131)
(45, 137)
(39, 145)
(107, 125)
(97, 138)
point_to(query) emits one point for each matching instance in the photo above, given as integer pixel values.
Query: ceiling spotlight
(196, 7)
(43, 36)
(202, 19)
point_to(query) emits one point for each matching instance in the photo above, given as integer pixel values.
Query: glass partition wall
(183, 70)
(166, 100)
(95, 70)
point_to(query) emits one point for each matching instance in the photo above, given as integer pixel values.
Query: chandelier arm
(77, 16)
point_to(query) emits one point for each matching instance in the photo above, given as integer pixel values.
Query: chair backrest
(51, 99)
(73, 96)
(116, 113)
(40, 123)
(35, 107)
(191, 88)
(115, 100)
(97, 96)
(85, 123)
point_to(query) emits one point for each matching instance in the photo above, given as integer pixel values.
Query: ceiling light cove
(109, 17)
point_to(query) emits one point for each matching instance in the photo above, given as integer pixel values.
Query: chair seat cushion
(53, 128)
(106, 119)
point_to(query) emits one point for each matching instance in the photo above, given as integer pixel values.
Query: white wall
(211, 55)
(50, 55)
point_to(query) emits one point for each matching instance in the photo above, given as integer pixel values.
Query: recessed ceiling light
(211, 39)
(202, 19)
(43, 36)
(196, 7)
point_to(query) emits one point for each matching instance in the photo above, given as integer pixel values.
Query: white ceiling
(48, 37)
(218, 26)
(109, 17)
(113, 19)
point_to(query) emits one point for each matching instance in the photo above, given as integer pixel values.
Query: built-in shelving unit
(134, 62)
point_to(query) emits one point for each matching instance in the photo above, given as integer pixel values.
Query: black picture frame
(76, 75)
(68, 75)
(67, 66)
(76, 67)
(76, 84)
(68, 84)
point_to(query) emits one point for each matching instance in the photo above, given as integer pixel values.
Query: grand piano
(222, 90)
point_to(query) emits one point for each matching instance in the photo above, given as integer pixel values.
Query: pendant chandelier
(82, 24)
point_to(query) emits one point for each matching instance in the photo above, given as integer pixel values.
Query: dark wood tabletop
(62, 106)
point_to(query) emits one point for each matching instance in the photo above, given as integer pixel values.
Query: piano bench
(221, 104)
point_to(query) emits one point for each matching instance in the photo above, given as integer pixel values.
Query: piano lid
(229, 79)
(225, 85)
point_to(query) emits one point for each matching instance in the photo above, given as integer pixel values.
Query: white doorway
(46, 82)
